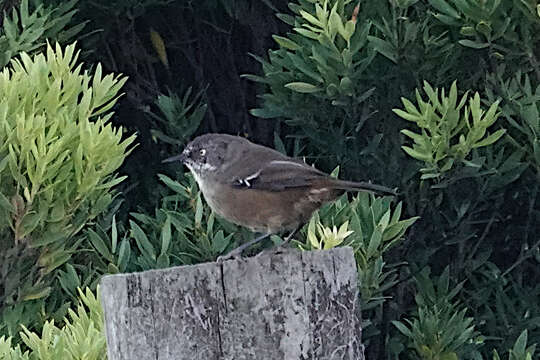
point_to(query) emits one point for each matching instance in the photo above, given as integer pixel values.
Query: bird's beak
(182, 158)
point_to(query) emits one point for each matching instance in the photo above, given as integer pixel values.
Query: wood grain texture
(290, 305)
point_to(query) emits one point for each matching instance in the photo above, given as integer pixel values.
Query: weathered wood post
(291, 305)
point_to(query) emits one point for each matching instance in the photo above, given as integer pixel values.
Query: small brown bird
(260, 188)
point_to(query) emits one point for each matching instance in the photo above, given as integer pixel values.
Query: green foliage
(81, 337)
(7, 352)
(520, 109)
(375, 226)
(371, 227)
(59, 154)
(449, 130)
(440, 328)
(503, 308)
(327, 238)
(492, 25)
(329, 86)
(315, 77)
(520, 351)
(182, 231)
(181, 117)
(26, 29)
(322, 58)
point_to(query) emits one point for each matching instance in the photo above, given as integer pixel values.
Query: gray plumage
(258, 187)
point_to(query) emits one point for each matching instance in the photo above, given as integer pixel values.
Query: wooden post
(290, 305)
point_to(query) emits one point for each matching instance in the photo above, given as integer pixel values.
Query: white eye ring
(202, 152)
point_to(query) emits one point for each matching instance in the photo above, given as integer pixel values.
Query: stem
(484, 234)
(524, 255)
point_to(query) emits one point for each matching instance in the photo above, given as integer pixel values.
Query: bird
(260, 188)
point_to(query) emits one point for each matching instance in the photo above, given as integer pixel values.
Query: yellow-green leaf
(303, 87)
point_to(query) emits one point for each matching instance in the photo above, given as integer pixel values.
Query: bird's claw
(233, 255)
(278, 249)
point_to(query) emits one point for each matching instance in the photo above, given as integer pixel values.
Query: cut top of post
(289, 305)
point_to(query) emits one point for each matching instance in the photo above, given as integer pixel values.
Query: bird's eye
(202, 152)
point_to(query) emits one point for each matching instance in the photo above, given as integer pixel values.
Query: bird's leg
(281, 246)
(238, 251)
(291, 235)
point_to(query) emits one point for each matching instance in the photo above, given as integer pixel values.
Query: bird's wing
(278, 175)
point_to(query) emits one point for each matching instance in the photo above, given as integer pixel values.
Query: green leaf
(346, 85)
(142, 241)
(29, 223)
(111, 183)
(57, 212)
(303, 87)
(384, 47)
(286, 42)
(398, 229)
(278, 144)
(38, 294)
(124, 254)
(484, 28)
(255, 78)
(166, 236)
(307, 33)
(312, 19)
(449, 356)
(265, 113)
(426, 157)
(521, 343)
(490, 139)
(3, 163)
(49, 237)
(385, 220)
(114, 235)
(198, 210)
(335, 25)
(6, 204)
(473, 44)
(305, 67)
(445, 8)
(99, 245)
(405, 115)
(163, 261)
(287, 19)
(350, 27)
(467, 31)
(374, 243)
(416, 137)
(402, 328)
(173, 185)
(429, 176)
(220, 242)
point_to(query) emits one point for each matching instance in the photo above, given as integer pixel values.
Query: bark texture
(291, 305)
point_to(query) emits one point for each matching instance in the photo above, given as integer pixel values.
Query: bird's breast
(260, 210)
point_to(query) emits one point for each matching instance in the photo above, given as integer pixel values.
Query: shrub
(26, 30)
(58, 157)
(449, 130)
(81, 337)
(470, 159)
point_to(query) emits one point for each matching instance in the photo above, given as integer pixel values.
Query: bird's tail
(362, 186)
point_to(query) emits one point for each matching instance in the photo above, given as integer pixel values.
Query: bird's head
(206, 153)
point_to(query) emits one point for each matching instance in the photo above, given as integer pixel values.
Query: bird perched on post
(259, 188)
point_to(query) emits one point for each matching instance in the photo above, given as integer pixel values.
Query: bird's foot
(278, 249)
(235, 254)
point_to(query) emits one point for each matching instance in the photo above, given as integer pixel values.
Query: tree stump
(290, 305)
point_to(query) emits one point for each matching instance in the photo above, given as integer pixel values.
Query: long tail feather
(363, 186)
